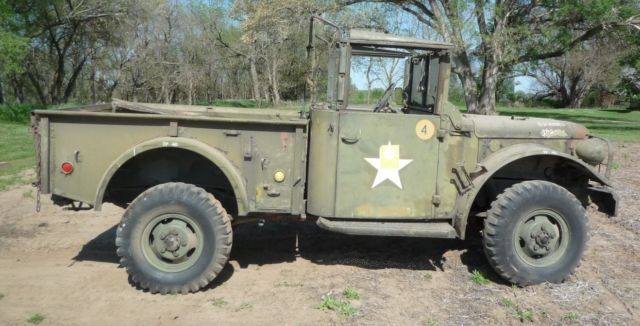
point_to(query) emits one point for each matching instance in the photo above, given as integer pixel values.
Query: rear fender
(212, 154)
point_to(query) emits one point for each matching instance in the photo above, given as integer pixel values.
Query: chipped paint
(553, 133)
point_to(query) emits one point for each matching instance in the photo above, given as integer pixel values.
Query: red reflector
(66, 168)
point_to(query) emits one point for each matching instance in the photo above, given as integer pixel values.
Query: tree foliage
(492, 37)
(198, 51)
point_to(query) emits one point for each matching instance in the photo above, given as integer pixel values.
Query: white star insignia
(388, 165)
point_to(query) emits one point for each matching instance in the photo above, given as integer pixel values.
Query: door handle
(348, 139)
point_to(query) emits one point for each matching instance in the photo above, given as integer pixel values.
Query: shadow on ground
(282, 241)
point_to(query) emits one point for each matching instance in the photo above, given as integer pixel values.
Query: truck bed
(120, 149)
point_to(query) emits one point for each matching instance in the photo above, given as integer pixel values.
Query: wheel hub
(540, 236)
(173, 240)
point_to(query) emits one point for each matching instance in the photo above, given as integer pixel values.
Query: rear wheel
(535, 231)
(174, 237)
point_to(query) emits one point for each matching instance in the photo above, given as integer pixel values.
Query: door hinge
(436, 200)
(464, 180)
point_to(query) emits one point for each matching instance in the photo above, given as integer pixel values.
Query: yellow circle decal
(425, 129)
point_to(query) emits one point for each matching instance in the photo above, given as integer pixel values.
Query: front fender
(502, 158)
(212, 154)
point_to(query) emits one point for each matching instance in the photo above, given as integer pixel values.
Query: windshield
(371, 76)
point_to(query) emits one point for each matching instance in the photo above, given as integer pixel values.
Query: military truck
(187, 174)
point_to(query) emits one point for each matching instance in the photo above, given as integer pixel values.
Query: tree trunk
(254, 79)
(576, 99)
(369, 80)
(167, 93)
(469, 87)
(94, 95)
(1, 93)
(36, 85)
(190, 91)
(274, 82)
(487, 102)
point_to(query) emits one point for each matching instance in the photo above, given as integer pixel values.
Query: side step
(399, 229)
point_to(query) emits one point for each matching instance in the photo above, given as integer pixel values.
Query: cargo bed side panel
(92, 143)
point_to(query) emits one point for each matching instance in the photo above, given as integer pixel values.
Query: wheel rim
(172, 242)
(541, 237)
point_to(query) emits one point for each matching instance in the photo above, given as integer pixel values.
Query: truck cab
(385, 162)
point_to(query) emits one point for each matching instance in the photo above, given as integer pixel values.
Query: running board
(399, 229)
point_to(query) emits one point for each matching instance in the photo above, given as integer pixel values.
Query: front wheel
(174, 238)
(535, 231)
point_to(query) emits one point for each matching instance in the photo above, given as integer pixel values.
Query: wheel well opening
(556, 169)
(164, 165)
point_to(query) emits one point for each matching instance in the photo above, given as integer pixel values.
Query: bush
(20, 113)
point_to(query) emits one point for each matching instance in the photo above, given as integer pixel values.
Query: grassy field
(16, 154)
(17, 151)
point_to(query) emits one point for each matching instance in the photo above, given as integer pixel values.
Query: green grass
(351, 294)
(244, 306)
(520, 314)
(571, 315)
(16, 153)
(479, 278)
(20, 113)
(431, 322)
(1, 296)
(507, 303)
(342, 307)
(523, 314)
(218, 302)
(35, 319)
(614, 124)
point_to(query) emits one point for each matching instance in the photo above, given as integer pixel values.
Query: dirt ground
(62, 265)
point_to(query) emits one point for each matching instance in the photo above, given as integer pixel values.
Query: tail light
(66, 168)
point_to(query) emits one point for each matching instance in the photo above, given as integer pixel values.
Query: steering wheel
(384, 100)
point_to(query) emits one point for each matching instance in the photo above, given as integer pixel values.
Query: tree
(570, 77)
(12, 47)
(270, 29)
(505, 34)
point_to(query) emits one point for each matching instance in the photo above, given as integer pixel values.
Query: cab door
(386, 165)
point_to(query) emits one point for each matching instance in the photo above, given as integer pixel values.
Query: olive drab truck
(410, 165)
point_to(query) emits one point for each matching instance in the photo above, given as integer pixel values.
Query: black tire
(550, 217)
(195, 213)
